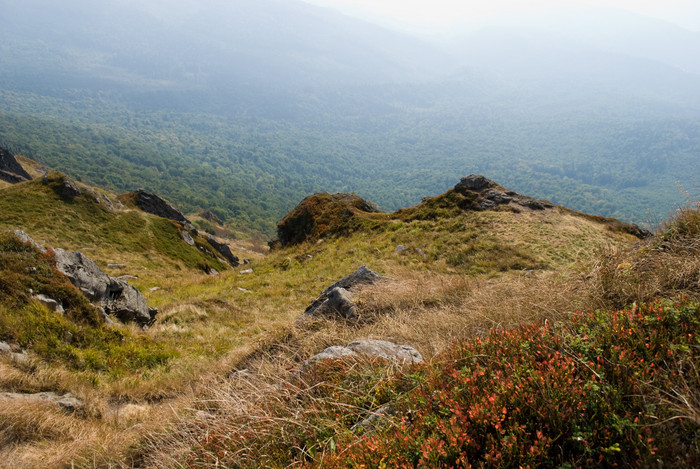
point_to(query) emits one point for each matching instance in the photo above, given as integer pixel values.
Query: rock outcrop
(114, 295)
(337, 298)
(10, 170)
(224, 250)
(155, 205)
(25, 238)
(322, 215)
(487, 195)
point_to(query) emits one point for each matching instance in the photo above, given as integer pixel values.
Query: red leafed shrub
(606, 389)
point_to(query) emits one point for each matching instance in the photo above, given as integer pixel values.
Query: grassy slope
(474, 275)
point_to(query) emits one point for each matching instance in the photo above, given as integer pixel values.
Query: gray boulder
(84, 273)
(115, 295)
(187, 237)
(387, 350)
(336, 297)
(338, 302)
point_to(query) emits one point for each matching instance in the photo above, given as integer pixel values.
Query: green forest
(251, 170)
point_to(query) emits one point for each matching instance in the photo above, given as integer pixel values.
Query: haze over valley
(245, 107)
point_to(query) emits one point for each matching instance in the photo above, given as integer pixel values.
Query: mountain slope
(441, 255)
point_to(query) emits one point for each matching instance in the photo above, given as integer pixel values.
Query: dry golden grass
(667, 265)
(249, 322)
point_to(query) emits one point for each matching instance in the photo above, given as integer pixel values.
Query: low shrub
(604, 390)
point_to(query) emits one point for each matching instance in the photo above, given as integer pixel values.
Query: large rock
(337, 298)
(153, 204)
(10, 170)
(115, 295)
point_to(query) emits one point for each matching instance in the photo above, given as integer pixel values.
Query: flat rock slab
(401, 354)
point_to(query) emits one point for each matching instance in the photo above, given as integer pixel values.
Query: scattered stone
(224, 250)
(127, 277)
(50, 303)
(401, 248)
(421, 253)
(116, 266)
(67, 402)
(246, 272)
(154, 289)
(243, 290)
(187, 237)
(108, 203)
(212, 271)
(362, 276)
(7, 350)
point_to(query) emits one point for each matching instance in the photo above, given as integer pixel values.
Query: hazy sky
(442, 14)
